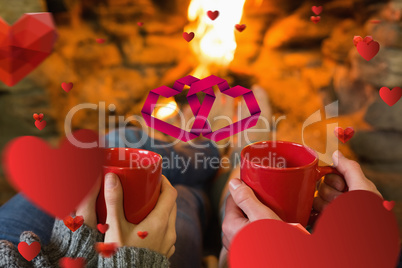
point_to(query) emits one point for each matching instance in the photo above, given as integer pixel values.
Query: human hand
(160, 223)
(242, 207)
(87, 208)
(333, 185)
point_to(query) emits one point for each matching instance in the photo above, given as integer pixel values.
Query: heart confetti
(55, 187)
(103, 227)
(29, 251)
(241, 27)
(344, 135)
(40, 125)
(38, 117)
(390, 97)
(188, 36)
(353, 231)
(73, 223)
(356, 39)
(389, 205)
(213, 14)
(315, 19)
(99, 41)
(368, 51)
(67, 86)
(106, 249)
(24, 45)
(316, 10)
(142, 235)
(140, 24)
(72, 263)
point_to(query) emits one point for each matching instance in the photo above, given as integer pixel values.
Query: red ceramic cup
(140, 176)
(283, 175)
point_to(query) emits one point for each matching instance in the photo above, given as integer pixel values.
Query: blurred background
(303, 66)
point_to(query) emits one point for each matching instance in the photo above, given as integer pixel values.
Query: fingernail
(235, 183)
(110, 181)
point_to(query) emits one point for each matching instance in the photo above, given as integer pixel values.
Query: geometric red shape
(25, 45)
(29, 251)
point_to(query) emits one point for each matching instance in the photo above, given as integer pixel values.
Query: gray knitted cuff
(65, 243)
(134, 257)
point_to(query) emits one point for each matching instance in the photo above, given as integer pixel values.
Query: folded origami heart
(25, 45)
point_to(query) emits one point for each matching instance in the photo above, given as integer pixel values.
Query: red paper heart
(25, 45)
(73, 223)
(67, 86)
(390, 97)
(315, 19)
(389, 205)
(29, 251)
(356, 39)
(368, 51)
(72, 263)
(38, 117)
(40, 125)
(353, 231)
(142, 235)
(188, 36)
(213, 14)
(103, 227)
(316, 10)
(99, 41)
(241, 27)
(344, 135)
(106, 249)
(65, 177)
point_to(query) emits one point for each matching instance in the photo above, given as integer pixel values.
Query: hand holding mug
(333, 185)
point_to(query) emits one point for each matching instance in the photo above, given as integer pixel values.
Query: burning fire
(214, 43)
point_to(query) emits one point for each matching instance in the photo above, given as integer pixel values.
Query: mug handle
(322, 171)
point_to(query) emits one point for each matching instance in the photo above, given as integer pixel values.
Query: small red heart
(142, 235)
(357, 39)
(188, 36)
(344, 135)
(99, 41)
(73, 223)
(390, 97)
(315, 19)
(389, 205)
(316, 10)
(213, 14)
(103, 227)
(241, 27)
(368, 51)
(38, 117)
(106, 249)
(40, 125)
(67, 86)
(375, 21)
(29, 251)
(72, 263)
(140, 24)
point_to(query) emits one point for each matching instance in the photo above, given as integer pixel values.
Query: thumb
(351, 171)
(246, 200)
(113, 199)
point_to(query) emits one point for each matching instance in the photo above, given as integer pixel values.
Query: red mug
(283, 175)
(139, 172)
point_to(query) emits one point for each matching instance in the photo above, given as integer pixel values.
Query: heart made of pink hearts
(65, 176)
(29, 251)
(201, 111)
(368, 50)
(25, 45)
(72, 263)
(355, 230)
(389, 96)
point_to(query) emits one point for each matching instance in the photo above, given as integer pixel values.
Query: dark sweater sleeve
(134, 257)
